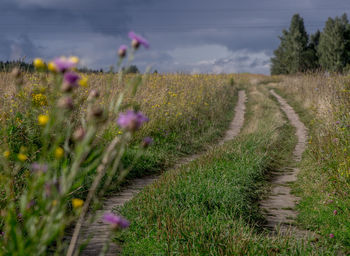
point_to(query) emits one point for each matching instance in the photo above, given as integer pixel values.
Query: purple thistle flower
(36, 167)
(147, 141)
(131, 120)
(63, 64)
(331, 235)
(335, 212)
(138, 40)
(122, 51)
(115, 221)
(71, 78)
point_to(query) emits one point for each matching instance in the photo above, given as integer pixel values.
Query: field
(65, 153)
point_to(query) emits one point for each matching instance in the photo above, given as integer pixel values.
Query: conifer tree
(310, 57)
(290, 55)
(334, 45)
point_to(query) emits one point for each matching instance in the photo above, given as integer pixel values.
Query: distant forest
(300, 52)
(7, 66)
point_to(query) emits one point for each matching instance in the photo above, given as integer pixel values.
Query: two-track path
(100, 231)
(280, 205)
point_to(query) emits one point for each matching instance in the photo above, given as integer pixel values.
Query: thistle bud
(79, 134)
(135, 44)
(94, 94)
(16, 73)
(122, 51)
(66, 87)
(65, 103)
(96, 112)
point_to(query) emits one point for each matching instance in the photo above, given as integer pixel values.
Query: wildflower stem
(100, 173)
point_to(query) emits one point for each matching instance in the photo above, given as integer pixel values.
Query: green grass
(193, 210)
(210, 206)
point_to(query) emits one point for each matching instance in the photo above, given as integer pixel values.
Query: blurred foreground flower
(43, 119)
(83, 81)
(122, 51)
(59, 152)
(22, 157)
(137, 40)
(64, 64)
(38, 63)
(131, 120)
(6, 154)
(115, 221)
(77, 203)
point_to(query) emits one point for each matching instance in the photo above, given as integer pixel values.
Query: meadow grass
(186, 113)
(210, 206)
(323, 183)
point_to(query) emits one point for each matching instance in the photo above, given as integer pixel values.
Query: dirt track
(100, 231)
(280, 205)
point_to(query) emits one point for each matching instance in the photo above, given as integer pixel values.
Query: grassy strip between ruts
(210, 206)
(324, 207)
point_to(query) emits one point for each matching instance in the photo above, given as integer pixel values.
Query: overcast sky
(192, 36)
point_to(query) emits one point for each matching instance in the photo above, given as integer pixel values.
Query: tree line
(8, 66)
(328, 50)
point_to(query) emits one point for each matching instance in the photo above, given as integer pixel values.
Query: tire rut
(100, 231)
(279, 207)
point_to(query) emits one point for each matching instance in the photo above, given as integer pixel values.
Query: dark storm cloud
(196, 35)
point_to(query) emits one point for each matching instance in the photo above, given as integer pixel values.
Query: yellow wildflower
(39, 99)
(43, 119)
(77, 203)
(52, 67)
(59, 152)
(38, 63)
(74, 59)
(22, 157)
(6, 154)
(83, 81)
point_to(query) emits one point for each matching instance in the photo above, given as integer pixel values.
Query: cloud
(217, 59)
(196, 35)
(18, 48)
(238, 62)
